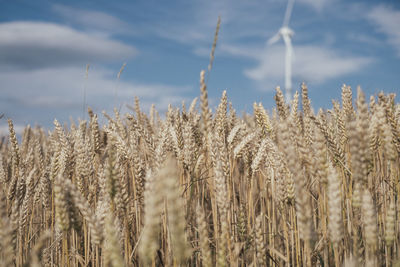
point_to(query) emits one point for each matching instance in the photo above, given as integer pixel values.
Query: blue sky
(45, 46)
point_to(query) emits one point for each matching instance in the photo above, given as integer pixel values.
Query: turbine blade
(274, 39)
(288, 13)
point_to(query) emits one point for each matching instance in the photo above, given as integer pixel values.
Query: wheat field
(289, 187)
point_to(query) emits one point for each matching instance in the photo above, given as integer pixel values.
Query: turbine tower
(286, 34)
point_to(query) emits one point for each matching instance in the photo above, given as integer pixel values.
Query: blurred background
(45, 47)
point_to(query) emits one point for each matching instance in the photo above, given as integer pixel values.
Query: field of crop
(292, 187)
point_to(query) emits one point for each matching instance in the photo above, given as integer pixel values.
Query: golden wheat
(280, 188)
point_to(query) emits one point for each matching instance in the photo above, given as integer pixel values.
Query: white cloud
(311, 63)
(29, 45)
(246, 51)
(49, 93)
(387, 21)
(92, 20)
(4, 130)
(364, 39)
(318, 5)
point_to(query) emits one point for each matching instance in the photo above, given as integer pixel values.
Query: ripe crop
(199, 188)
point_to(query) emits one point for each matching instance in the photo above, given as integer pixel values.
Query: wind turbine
(286, 34)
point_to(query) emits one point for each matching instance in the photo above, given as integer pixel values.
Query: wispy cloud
(318, 5)
(311, 63)
(91, 20)
(364, 39)
(387, 21)
(201, 18)
(31, 45)
(61, 91)
(4, 130)
(244, 22)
